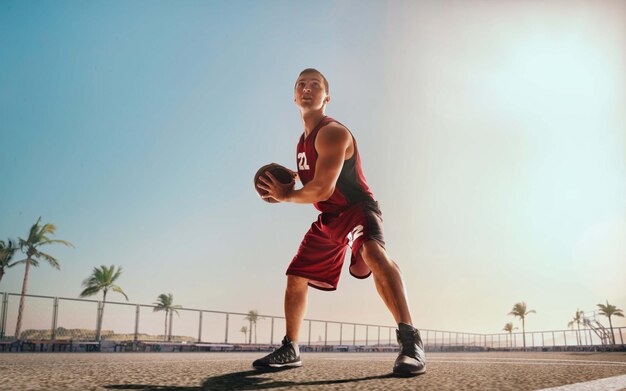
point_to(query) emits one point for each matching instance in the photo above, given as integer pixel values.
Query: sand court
(365, 371)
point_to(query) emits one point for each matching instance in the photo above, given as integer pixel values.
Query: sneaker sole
(288, 365)
(404, 371)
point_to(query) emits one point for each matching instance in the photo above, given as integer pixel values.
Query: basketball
(282, 174)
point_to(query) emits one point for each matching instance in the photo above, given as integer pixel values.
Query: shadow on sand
(246, 380)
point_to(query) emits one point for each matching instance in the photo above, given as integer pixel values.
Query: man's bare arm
(332, 143)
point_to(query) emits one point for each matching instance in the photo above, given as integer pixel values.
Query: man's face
(310, 92)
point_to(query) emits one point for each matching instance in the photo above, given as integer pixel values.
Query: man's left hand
(275, 189)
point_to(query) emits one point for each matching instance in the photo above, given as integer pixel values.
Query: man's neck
(310, 120)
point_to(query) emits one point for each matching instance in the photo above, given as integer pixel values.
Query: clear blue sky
(492, 133)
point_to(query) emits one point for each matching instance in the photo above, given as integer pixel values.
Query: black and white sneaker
(287, 355)
(411, 360)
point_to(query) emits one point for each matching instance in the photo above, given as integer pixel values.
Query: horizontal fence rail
(74, 322)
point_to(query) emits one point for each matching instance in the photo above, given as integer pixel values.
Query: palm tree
(7, 251)
(253, 317)
(509, 329)
(102, 279)
(244, 330)
(36, 237)
(609, 310)
(519, 310)
(165, 302)
(578, 319)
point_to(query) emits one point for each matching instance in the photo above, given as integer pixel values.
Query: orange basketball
(282, 174)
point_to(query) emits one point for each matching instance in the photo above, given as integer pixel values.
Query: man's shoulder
(333, 135)
(333, 123)
(334, 129)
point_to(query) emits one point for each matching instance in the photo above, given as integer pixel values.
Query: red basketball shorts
(323, 249)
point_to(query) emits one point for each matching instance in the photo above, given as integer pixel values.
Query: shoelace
(409, 343)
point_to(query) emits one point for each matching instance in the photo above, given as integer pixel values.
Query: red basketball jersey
(351, 187)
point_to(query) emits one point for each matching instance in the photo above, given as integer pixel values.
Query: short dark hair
(313, 70)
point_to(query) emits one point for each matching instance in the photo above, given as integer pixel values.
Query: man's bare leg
(388, 280)
(295, 305)
(411, 360)
(288, 355)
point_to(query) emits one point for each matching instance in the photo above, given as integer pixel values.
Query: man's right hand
(294, 175)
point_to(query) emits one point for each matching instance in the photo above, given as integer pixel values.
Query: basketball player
(329, 168)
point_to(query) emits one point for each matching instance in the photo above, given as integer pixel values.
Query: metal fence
(61, 318)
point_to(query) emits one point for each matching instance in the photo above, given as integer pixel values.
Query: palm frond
(101, 279)
(22, 243)
(52, 241)
(609, 310)
(47, 229)
(7, 252)
(175, 307)
(521, 310)
(117, 274)
(37, 237)
(32, 234)
(90, 291)
(117, 289)
(253, 316)
(165, 302)
(51, 260)
(20, 261)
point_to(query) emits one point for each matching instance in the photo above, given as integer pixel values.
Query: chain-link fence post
(3, 314)
(55, 314)
(226, 337)
(136, 336)
(98, 321)
(309, 333)
(325, 333)
(200, 327)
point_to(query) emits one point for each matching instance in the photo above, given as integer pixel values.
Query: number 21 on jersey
(302, 164)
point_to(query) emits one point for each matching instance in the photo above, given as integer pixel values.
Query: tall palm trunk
(100, 316)
(524, 332)
(18, 325)
(580, 341)
(171, 321)
(165, 332)
(255, 333)
(612, 333)
(250, 340)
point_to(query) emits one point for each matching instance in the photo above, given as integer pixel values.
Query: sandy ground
(324, 371)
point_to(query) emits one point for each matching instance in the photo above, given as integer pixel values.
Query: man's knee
(375, 256)
(296, 282)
